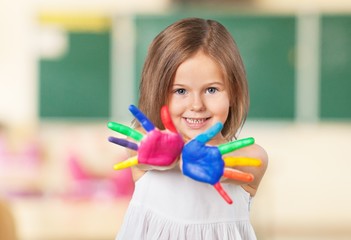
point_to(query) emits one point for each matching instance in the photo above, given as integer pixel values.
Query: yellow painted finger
(241, 161)
(126, 164)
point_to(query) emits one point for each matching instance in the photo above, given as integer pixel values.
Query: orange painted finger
(238, 175)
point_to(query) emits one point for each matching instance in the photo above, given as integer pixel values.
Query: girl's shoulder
(253, 151)
(258, 152)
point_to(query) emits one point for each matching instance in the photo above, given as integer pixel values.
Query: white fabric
(167, 205)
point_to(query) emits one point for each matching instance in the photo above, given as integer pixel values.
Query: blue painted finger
(142, 119)
(210, 133)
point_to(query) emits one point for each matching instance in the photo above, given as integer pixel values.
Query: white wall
(18, 48)
(320, 5)
(17, 63)
(305, 193)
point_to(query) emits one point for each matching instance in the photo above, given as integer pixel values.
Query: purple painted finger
(124, 143)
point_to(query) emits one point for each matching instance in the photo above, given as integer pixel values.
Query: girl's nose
(197, 104)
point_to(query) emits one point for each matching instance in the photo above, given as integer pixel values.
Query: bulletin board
(335, 88)
(77, 84)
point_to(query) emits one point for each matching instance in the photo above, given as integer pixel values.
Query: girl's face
(199, 97)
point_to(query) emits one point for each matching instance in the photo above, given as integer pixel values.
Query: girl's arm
(137, 173)
(252, 151)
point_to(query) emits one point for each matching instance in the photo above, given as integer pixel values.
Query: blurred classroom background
(69, 67)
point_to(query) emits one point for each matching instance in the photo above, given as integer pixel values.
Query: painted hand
(204, 163)
(156, 148)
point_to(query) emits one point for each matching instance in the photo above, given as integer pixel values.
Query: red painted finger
(223, 193)
(166, 119)
(238, 175)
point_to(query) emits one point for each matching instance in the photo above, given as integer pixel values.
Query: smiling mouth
(196, 122)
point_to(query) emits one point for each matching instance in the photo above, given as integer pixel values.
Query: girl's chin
(189, 136)
(190, 132)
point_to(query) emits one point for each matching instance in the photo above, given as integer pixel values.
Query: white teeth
(195, 120)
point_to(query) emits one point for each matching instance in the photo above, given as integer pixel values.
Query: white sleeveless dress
(166, 205)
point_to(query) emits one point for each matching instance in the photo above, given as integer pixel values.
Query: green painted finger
(127, 131)
(232, 146)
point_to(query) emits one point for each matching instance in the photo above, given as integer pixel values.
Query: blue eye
(211, 90)
(180, 91)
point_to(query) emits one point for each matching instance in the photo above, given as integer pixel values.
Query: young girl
(194, 68)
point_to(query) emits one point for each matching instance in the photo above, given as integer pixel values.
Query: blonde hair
(177, 43)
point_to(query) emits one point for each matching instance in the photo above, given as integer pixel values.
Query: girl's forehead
(200, 73)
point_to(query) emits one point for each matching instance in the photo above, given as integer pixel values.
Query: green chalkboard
(335, 94)
(267, 45)
(77, 84)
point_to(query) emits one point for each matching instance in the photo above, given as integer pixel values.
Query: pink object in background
(86, 184)
(77, 171)
(123, 182)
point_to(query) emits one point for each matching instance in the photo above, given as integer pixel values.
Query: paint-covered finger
(126, 164)
(235, 145)
(241, 161)
(238, 175)
(223, 193)
(124, 143)
(166, 119)
(142, 119)
(127, 131)
(210, 133)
